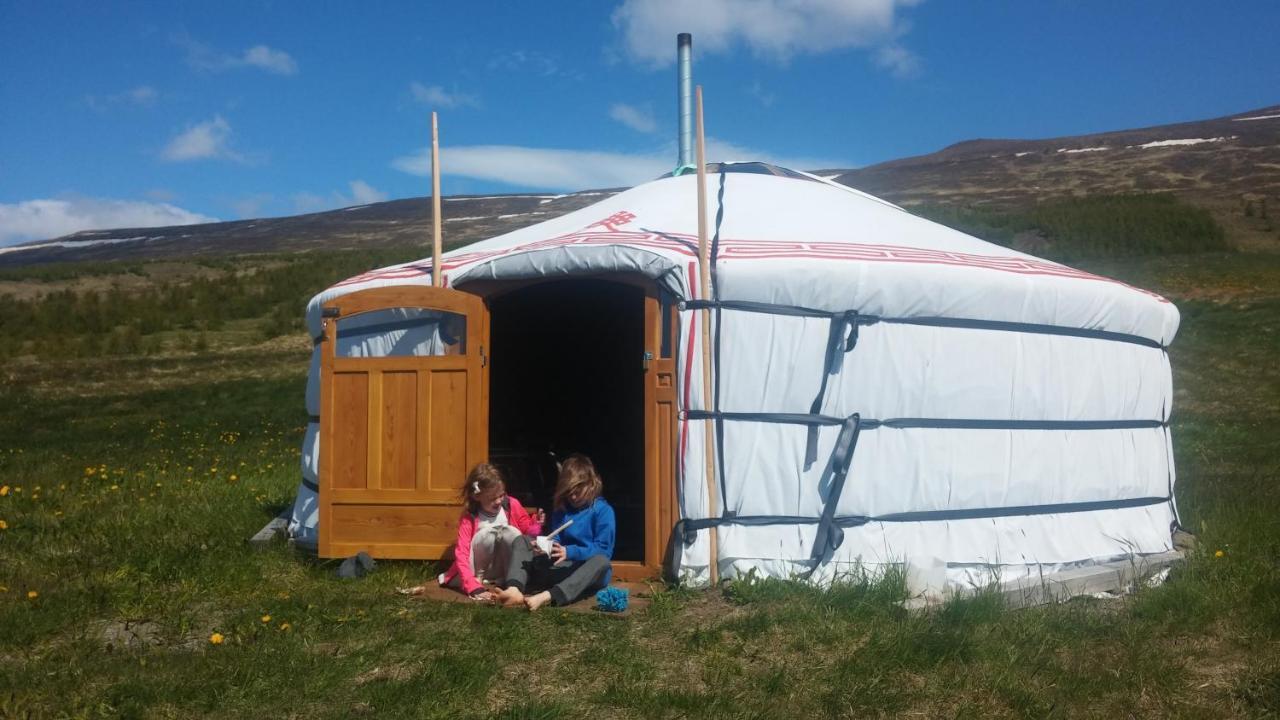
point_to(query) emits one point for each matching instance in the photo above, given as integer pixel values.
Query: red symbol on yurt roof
(622, 217)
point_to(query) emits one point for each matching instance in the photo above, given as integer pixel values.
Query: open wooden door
(660, 415)
(400, 429)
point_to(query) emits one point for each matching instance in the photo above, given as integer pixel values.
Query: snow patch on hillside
(1182, 141)
(76, 243)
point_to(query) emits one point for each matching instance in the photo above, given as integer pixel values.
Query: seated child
(492, 535)
(579, 560)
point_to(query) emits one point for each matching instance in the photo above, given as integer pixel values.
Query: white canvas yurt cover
(885, 389)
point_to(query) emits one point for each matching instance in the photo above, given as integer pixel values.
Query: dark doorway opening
(568, 376)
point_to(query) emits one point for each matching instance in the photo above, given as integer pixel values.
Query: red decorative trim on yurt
(731, 249)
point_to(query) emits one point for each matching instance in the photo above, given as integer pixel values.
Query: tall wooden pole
(435, 202)
(704, 265)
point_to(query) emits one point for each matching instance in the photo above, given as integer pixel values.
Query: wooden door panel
(396, 530)
(447, 418)
(399, 433)
(400, 438)
(350, 431)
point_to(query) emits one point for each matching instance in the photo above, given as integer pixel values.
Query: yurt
(882, 390)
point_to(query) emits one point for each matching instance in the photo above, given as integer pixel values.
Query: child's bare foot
(536, 601)
(415, 590)
(509, 597)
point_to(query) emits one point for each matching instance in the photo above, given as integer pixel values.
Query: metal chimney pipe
(684, 100)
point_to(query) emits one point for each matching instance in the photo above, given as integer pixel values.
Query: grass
(134, 481)
(1093, 226)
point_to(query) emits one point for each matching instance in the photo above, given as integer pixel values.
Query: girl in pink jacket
(491, 523)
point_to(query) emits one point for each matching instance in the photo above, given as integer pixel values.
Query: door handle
(648, 356)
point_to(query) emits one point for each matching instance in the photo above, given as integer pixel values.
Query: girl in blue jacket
(579, 562)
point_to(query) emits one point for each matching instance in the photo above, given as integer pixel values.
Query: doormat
(639, 597)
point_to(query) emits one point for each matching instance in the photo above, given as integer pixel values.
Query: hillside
(1229, 166)
(395, 223)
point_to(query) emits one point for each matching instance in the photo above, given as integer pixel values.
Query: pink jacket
(467, 526)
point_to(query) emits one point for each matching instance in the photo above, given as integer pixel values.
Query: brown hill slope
(395, 223)
(1229, 165)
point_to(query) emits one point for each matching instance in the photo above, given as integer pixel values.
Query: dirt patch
(394, 673)
(638, 600)
(130, 635)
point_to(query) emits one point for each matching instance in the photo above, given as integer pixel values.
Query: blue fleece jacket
(591, 533)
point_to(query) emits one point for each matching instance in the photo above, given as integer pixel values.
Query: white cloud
(269, 59)
(898, 60)
(437, 97)
(142, 96)
(764, 97)
(49, 218)
(209, 139)
(525, 61)
(363, 193)
(774, 29)
(557, 169)
(638, 119)
(251, 206)
(204, 57)
(305, 202)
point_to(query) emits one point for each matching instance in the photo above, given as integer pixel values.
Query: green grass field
(130, 483)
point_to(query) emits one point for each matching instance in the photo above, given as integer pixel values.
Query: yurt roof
(790, 238)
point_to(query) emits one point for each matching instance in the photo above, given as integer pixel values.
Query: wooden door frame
(661, 498)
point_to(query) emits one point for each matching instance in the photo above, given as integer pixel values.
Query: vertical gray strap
(829, 536)
(842, 324)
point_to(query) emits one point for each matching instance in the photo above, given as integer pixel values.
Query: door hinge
(484, 359)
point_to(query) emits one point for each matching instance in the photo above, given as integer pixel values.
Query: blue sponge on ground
(612, 599)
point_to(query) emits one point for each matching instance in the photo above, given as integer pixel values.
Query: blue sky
(134, 114)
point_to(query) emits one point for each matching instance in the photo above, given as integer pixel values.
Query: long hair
(482, 477)
(577, 471)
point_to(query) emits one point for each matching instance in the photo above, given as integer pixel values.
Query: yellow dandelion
(234, 477)
(285, 627)
(4, 525)
(216, 638)
(115, 488)
(32, 594)
(1219, 554)
(4, 490)
(266, 618)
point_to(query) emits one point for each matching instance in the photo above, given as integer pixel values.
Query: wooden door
(660, 505)
(398, 433)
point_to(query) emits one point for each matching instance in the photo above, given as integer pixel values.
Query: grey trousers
(568, 583)
(508, 557)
